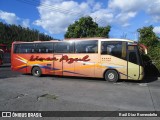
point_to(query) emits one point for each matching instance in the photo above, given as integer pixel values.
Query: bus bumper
(141, 77)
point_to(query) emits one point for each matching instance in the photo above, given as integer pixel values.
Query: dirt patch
(48, 96)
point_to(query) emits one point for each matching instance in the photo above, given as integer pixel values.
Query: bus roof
(78, 39)
(101, 38)
(35, 41)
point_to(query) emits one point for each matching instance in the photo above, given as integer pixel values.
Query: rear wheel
(111, 76)
(36, 71)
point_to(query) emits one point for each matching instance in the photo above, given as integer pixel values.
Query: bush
(154, 54)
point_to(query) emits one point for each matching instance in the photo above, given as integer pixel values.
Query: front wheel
(36, 71)
(111, 76)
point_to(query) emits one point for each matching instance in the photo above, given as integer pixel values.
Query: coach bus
(111, 59)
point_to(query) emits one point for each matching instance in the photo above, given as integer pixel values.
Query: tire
(36, 71)
(111, 76)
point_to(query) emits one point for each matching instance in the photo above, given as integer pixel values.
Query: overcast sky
(52, 17)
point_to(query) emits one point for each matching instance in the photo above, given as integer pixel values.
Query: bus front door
(133, 63)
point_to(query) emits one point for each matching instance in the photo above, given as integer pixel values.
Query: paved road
(49, 93)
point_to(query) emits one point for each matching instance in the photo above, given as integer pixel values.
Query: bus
(111, 59)
(4, 48)
(1, 56)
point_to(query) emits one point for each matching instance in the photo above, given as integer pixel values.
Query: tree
(86, 27)
(10, 33)
(147, 36)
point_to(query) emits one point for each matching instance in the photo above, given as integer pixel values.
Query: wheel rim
(36, 72)
(111, 76)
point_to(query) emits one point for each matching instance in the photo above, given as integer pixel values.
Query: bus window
(23, 48)
(114, 48)
(16, 48)
(131, 48)
(43, 48)
(64, 47)
(133, 57)
(86, 46)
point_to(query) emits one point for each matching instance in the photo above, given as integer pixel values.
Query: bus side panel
(86, 67)
(44, 62)
(111, 62)
(98, 67)
(68, 65)
(18, 62)
(58, 65)
(30, 63)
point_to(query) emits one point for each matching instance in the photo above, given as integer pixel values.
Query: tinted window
(86, 46)
(43, 48)
(23, 48)
(132, 57)
(64, 47)
(114, 48)
(16, 48)
(131, 48)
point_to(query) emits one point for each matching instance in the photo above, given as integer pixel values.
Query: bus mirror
(143, 48)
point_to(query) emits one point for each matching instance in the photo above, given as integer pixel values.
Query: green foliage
(149, 38)
(103, 32)
(154, 54)
(10, 33)
(85, 27)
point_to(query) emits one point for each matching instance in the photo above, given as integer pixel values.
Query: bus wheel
(36, 71)
(111, 76)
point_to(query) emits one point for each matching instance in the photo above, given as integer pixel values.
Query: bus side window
(25, 48)
(64, 47)
(16, 48)
(112, 48)
(90, 46)
(44, 47)
(32, 51)
(116, 51)
(47, 50)
(104, 49)
(39, 50)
